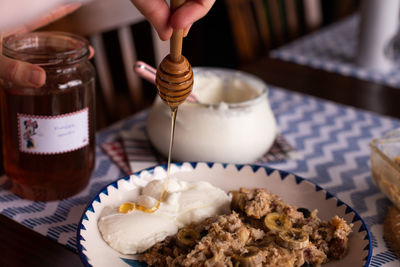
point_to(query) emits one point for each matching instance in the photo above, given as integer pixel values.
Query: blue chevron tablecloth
(333, 139)
(333, 48)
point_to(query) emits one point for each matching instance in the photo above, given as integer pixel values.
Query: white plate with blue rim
(293, 189)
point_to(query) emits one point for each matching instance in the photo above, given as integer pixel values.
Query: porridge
(261, 230)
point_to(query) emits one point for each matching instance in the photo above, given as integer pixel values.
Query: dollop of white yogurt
(185, 203)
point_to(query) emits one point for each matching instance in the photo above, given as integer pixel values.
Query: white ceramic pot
(232, 121)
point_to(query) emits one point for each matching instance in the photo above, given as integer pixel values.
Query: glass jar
(48, 133)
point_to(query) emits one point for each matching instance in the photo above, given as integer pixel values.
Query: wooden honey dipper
(174, 77)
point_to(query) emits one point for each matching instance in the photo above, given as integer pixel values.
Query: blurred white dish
(294, 190)
(232, 121)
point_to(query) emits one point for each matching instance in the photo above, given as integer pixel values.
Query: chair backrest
(259, 25)
(98, 17)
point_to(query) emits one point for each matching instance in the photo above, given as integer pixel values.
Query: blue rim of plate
(255, 168)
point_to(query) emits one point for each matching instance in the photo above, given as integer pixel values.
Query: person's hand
(158, 14)
(23, 73)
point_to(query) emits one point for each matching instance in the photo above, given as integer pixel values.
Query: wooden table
(21, 246)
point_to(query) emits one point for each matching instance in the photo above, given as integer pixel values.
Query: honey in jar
(48, 133)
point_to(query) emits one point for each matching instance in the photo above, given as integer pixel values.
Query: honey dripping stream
(131, 206)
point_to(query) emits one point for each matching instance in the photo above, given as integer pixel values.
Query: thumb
(21, 73)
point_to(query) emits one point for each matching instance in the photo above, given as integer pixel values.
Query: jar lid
(47, 48)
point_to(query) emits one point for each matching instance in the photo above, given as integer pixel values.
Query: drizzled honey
(174, 80)
(131, 206)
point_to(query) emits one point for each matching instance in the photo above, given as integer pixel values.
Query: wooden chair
(95, 19)
(259, 25)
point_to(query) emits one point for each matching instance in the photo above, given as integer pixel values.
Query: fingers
(21, 73)
(91, 52)
(48, 18)
(186, 30)
(190, 12)
(158, 15)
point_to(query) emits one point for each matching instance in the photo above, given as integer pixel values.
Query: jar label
(53, 134)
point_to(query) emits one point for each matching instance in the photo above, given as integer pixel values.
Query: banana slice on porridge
(253, 257)
(277, 222)
(292, 239)
(187, 237)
